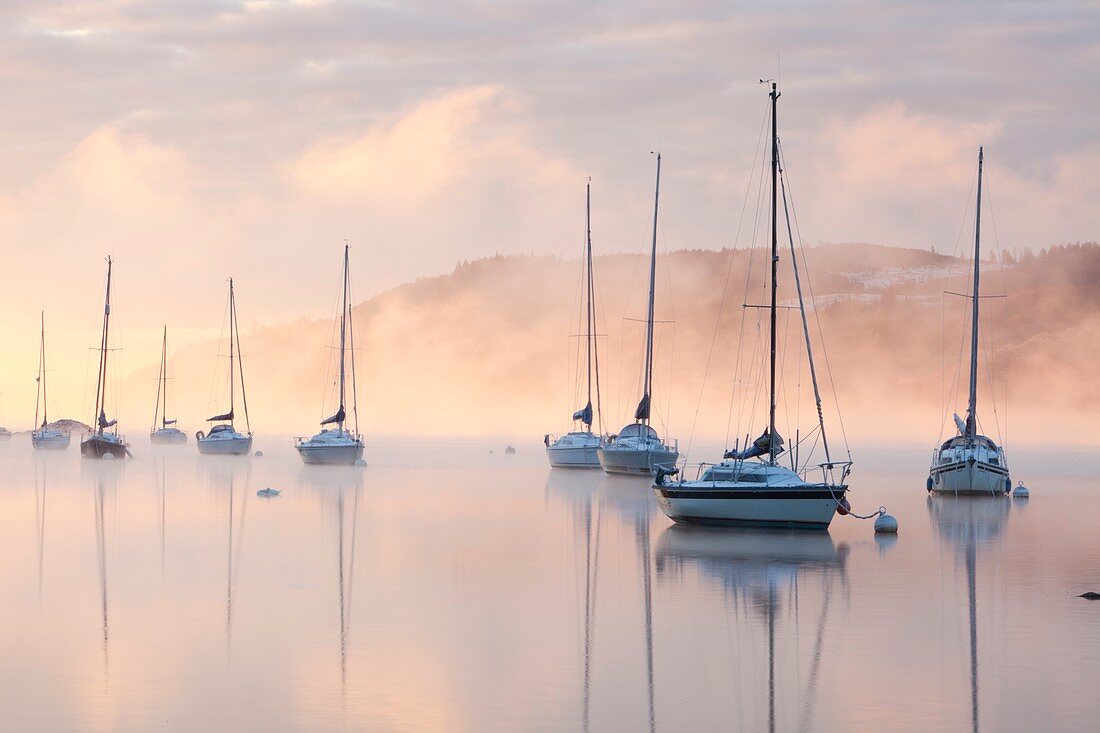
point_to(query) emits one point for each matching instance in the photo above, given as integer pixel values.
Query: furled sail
(642, 413)
(226, 416)
(759, 447)
(960, 424)
(104, 422)
(169, 422)
(337, 418)
(584, 415)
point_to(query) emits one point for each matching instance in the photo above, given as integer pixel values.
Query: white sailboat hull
(574, 450)
(346, 454)
(970, 477)
(573, 457)
(811, 507)
(635, 461)
(236, 445)
(168, 436)
(50, 440)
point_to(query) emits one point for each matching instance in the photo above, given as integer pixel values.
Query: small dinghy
(268, 492)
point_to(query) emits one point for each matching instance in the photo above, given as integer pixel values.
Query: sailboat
(638, 449)
(577, 448)
(970, 463)
(224, 439)
(338, 445)
(105, 440)
(167, 433)
(749, 486)
(43, 437)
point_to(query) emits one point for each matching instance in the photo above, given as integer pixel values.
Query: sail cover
(104, 422)
(642, 413)
(226, 416)
(585, 415)
(960, 424)
(759, 447)
(169, 422)
(338, 417)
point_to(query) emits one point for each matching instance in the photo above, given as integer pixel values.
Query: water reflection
(752, 567)
(334, 484)
(232, 477)
(104, 479)
(969, 524)
(40, 483)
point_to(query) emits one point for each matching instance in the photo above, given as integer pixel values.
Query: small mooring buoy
(885, 522)
(360, 461)
(1020, 492)
(259, 454)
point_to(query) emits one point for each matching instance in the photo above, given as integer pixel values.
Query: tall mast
(42, 376)
(101, 381)
(163, 388)
(971, 410)
(649, 318)
(588, 306)
(232, 328)
(343, 338)
(775, 273)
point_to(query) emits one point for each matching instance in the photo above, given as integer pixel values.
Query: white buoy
(259, 454)
(1021, 492)
(885, 522)
(360, 461)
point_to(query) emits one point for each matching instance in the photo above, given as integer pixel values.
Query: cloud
(443, 145)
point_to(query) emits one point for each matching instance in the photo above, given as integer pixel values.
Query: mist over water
(448, 586)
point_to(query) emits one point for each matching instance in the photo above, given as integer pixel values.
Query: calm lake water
(448, 588)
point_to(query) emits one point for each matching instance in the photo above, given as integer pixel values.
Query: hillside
(486, 350)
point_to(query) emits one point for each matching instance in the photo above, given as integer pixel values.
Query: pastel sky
(195, 139)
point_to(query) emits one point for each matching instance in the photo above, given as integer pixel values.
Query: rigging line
(955, 257)
(354, 377)
(805, 323)
(1004, 286)
(817, 311)
(725, 289)
(734, 393)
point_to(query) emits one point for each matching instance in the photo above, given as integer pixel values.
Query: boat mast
(351, 339)
(649, 317)
(157, 412)
(775, 274)
(101, 381)
(971, 410)
(588, 305)
(164, 379)
(42, 376)
(240, 359)
(343, 338)
(232, 328)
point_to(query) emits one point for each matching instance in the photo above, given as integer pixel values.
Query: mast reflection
(969, 523)
(752, 567)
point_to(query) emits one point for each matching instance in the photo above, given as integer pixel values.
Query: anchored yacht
(105, 440)
(43, 437)
(750, 486)
(167, 433)
(968, 462)
(638, 448)
(338, 444)
(224, 438)
(578, 448)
